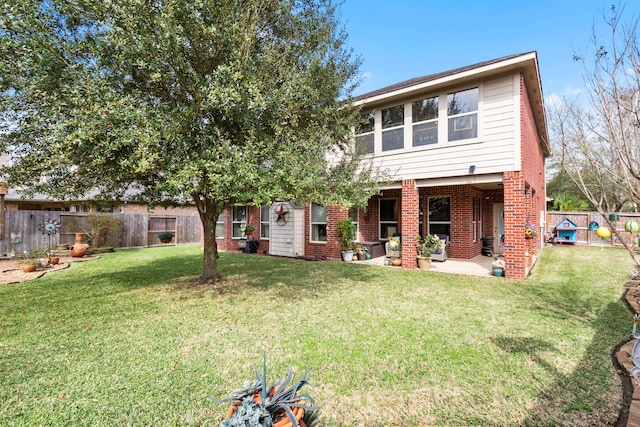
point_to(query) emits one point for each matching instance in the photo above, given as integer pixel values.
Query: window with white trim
(364, 132)
(264, 221)
(353, 214)
(238, 219)
(388, 218)
(424, 114)
(318, 223)
(220, 226)
(393, 128)
(462, 114)
(440, 215)
(477, 218)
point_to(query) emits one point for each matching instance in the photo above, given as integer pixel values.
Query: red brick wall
(228, 243)
(524, 193)
(462, 244)
(409, 219)
(330, 248)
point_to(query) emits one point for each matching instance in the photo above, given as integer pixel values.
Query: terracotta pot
(396, 262)
(424, 263)
(28, 268)
(79, 249)
(284, 422)
(54, 260)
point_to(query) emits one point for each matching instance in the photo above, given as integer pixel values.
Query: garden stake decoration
(49, 227)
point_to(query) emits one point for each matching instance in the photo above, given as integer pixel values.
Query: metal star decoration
(282, 214)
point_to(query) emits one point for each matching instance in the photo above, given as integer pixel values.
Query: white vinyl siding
(495, 150)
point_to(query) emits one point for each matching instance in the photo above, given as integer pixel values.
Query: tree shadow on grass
(591, 394)
(240, 272)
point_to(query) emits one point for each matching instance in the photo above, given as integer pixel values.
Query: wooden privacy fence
(22, 233)
(585, 236)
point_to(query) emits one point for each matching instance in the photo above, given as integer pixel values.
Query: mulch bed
(10, 271)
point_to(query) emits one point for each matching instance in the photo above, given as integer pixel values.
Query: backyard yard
(129, 339)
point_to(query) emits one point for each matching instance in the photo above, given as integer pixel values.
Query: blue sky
(401, 39)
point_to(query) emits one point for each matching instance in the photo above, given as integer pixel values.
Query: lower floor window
(440, 215)
(318, 223)
(388, 218)
(264, 222)
(239, 218)
(220, 225)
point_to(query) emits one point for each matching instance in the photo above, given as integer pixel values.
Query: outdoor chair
(441, 254)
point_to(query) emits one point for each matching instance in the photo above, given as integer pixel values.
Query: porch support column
(409, 222)
(515, 216)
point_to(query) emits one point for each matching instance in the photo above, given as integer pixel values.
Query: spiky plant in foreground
(257, 405)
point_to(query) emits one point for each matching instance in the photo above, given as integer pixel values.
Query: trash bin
(487, 246)
(252, 247)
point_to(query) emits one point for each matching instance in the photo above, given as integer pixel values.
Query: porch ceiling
(484, 182)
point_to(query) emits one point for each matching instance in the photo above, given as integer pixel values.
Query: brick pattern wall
(524, 194)
(515, 214)
(228, 243)
(330, 248)
(409, 218)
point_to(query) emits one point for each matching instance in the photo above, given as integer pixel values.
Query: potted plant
(28, 265)
(425, 247)
(530, 230)
(346, 233)
(281, 404)
(165, 236)
(497, 268)
(40, 256)
(247, 229)
(362, 252)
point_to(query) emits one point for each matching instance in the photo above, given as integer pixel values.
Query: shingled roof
(431, 77)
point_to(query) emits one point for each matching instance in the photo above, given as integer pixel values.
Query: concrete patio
(478, 266)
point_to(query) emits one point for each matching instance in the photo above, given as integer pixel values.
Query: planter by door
(424, 263)
(79, 249)
(498, 272)
(347, 256)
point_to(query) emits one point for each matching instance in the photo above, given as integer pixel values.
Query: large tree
(213, 102)
(598, 138)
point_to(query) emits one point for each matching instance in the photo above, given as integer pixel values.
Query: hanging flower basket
(530, 230)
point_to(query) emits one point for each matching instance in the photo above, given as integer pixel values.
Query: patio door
(498, 228)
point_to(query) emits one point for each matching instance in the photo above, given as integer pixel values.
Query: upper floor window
(392, 128)
(264, 222)
(318, 223)
(238, 219)
(425, 119)
(462, 113)
(364, 132)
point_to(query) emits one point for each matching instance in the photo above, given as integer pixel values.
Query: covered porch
(477, 266)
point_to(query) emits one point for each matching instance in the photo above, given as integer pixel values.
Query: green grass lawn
(126, 340)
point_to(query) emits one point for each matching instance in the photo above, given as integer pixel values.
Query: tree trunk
(209, 211)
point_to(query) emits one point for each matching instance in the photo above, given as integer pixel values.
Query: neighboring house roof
(526, 62)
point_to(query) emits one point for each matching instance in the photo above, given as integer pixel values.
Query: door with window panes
(440, 215)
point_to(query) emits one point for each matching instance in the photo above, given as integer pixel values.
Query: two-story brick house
(468, 149)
